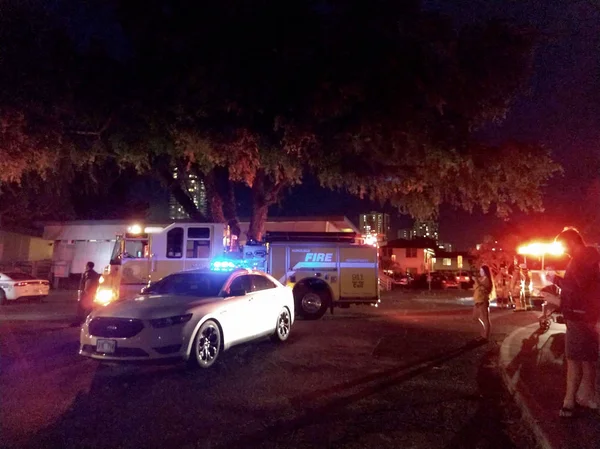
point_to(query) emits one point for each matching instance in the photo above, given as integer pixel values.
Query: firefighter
(515, 286)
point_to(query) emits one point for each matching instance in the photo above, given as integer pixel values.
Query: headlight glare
(104, 297)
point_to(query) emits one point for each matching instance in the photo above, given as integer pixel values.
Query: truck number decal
(358, 281)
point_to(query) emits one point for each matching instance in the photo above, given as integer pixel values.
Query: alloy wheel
(208, 344)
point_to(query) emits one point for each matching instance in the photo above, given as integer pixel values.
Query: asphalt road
(405, 375)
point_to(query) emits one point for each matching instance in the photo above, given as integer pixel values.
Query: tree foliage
(378, 99)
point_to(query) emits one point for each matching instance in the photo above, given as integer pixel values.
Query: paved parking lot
(407, 374)
(59, 305)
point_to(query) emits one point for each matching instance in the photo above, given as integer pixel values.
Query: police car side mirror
(237, 292)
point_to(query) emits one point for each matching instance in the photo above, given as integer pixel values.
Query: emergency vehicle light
(222, 265)
(539, 249)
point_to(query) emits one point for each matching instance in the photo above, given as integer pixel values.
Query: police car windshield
(202, 285)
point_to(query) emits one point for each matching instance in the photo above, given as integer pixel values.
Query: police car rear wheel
(2, 297)
(311, 304)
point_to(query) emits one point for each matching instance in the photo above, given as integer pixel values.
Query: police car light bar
(223, 265)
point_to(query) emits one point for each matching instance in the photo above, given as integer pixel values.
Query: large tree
(379, 99)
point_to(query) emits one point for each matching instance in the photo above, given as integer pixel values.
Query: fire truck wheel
(311, 304)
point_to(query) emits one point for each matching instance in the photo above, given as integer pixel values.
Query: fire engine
(324, 269)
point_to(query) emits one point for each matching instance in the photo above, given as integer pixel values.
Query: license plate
(106, 346)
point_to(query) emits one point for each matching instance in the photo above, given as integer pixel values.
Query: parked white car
(190, 315)
(15, 285)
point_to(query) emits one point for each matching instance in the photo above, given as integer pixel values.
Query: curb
(522, 395)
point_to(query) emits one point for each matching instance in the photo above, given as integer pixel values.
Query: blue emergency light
(223, 265)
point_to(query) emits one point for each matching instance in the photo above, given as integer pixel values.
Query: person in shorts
(579, 306)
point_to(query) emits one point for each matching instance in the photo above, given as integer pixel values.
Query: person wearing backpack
(580, 305)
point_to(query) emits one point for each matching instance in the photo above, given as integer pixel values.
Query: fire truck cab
(147, 255)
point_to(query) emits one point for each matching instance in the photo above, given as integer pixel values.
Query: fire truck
(324, 269)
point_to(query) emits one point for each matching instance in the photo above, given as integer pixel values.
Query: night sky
(560, 109)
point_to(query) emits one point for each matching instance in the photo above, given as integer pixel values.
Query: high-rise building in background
(195, 188)
(406, 233)
(375, 222)
(421, 229)
(427, 228)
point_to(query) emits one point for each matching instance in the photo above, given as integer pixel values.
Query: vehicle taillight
(20, 284)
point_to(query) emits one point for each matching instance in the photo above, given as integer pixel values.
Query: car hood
(155, 306)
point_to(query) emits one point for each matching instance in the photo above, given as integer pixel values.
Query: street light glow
(370, 239)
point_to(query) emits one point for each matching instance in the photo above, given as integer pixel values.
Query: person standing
(525, 293)
(502, 285)
(484, 288)
(88, 286)
(513, 284)
(580, 305)
(520, 279)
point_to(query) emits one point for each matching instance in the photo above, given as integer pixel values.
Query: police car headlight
(171, 321)
(104, 297)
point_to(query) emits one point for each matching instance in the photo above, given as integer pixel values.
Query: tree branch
(98, 133)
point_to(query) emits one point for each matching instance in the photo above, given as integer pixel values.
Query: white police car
(190, 315)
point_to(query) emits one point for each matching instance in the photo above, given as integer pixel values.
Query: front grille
(119, 352)
(168, 349)
(115, 327)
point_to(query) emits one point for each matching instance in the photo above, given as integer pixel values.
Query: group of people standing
(511, 287)
(580, 306)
